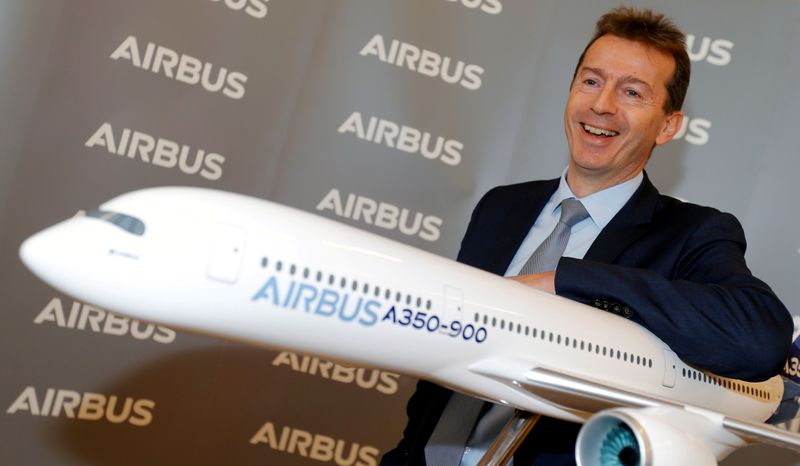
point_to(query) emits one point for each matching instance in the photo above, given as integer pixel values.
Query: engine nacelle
(651, 437)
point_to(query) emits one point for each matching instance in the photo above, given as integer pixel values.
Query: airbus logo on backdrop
(85, 317)
(158, 151)
(715, 51)
(255, 8)
(87, 406)
(382, 214)
(315, 446)
(426, 62)
(181, 67)
(383, 382)
(403, 138)
(694, 131)
(493, 7)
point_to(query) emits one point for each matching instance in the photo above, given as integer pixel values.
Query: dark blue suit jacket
(676, 268)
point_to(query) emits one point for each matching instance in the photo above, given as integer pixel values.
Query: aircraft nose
(40, 253)
(31, 250)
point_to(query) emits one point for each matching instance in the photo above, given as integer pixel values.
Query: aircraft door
(227, 253)
(670, 367)
(453, 303)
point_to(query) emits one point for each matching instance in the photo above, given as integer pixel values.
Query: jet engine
(651, 437)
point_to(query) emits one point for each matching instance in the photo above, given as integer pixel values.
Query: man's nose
(605, 101)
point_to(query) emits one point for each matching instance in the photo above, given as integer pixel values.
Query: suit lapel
(521, 217)
(627, 226)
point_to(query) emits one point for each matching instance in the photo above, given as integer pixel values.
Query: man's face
(615, 111)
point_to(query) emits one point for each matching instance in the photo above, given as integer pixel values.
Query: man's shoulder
(671, 206)
(676, 215)
(648, 197)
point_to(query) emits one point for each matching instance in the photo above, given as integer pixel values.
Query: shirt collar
(602, 205)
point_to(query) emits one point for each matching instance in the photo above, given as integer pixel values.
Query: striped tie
(546, 256)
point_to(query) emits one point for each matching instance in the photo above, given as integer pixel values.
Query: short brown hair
(654, 30)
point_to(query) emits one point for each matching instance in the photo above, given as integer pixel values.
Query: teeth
(599, 131)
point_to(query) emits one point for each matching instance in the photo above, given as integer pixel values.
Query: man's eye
(590, 82)
(632, 93)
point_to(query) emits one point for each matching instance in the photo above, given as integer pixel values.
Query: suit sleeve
(709, 309)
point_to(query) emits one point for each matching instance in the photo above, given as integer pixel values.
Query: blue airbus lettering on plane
(185, 257)
(319, 301)
(329, 302)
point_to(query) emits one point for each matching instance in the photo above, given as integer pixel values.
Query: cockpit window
(126, 222)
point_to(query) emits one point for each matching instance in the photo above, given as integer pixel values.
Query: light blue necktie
(546, 256)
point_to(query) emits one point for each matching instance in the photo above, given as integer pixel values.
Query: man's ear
(670, 128)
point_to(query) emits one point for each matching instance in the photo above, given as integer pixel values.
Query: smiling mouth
(594, 131)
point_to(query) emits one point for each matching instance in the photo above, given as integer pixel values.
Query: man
(676, 268)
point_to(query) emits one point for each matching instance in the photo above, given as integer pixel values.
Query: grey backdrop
(205, 401)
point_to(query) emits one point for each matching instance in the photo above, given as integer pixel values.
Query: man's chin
(590, 163)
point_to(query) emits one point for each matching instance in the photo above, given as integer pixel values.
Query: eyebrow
(624, 79)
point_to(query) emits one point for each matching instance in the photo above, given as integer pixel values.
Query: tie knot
(572, 211)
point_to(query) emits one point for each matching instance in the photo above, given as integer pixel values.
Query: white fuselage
(253, 271)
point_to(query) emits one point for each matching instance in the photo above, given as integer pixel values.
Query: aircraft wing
(585, 397)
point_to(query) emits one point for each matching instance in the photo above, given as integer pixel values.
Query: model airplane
(249, 270)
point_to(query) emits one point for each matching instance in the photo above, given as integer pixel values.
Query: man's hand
(545, 281)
